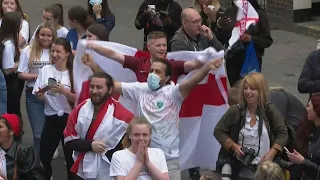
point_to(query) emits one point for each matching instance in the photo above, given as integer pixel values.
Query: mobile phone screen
(52, 82)
(287, 149)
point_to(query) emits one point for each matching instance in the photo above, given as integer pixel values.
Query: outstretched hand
(215, 63)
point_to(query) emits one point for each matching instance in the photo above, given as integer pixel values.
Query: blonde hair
(126, 142)
(269, 171)
(156, 35)
(36, 49)
(255, 81)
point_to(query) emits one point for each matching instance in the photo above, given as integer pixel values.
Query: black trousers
(14, 91)
(234, 66)
(52, 133)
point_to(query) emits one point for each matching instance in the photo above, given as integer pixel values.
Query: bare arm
(69, 95)
(11, 70)
(133, 174)
(192, 65)
(186, 86)
(27, 76)
(107, 53)
(117, 88)
(155, 173)
(22, 41)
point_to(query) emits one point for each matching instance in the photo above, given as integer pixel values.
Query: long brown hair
(19, 9)
(306, 126)
(10, 30)
(36, 49)
(67, 47)
(126, 142)
(57, 12)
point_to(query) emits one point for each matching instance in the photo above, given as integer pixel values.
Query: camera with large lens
(249, 155)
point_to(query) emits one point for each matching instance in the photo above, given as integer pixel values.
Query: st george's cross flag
(246, 16)
(200, 111)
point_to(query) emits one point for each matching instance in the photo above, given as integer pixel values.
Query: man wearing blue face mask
(159, 101)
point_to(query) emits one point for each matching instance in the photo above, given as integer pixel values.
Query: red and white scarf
(109, 126)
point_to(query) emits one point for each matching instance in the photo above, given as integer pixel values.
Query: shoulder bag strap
(15, 166)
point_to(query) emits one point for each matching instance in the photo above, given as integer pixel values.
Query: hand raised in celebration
(215, 63)
(87, 60)
(98, 146)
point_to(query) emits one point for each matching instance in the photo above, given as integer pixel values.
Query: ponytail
(57, 12)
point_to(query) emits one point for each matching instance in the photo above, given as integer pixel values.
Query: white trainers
(51, 178)
(56, 154)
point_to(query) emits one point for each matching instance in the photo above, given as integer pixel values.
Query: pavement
(282, 63)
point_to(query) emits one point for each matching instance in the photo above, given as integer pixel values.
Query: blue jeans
(35, 109)
(3, 94)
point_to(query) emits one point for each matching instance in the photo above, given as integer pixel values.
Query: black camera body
(249, 155)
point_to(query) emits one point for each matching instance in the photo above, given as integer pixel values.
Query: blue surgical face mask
(153, 81)
(93, 2)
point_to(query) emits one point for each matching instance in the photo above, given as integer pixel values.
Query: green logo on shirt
(159, 104)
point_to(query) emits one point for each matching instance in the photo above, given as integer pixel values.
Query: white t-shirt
(8, 55)
(53, 104)
(36, 65)
(24, 29)
(161, 108)
(123, 161)
(62, 32)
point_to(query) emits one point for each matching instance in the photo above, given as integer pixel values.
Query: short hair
(256, 81)
(168, 70)
(156, 35)
(104, 75)
(269, 170)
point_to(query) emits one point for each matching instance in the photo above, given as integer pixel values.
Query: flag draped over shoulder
(200, 111)
(246, 16)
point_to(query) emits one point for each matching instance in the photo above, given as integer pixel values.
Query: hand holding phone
(287, 150)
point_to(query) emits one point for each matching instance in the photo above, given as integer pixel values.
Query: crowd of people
(266, 134)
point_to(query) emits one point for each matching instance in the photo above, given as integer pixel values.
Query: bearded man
(95, 128)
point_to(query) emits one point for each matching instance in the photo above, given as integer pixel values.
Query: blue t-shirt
(72, 37)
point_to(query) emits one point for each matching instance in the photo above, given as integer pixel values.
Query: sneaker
(56, 154)
(51, 178)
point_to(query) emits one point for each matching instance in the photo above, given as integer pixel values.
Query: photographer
(158, 15)
(246, 140)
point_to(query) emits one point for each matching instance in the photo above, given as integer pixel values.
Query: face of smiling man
(157, 48)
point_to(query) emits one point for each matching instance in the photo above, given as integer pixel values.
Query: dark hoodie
(165, 9)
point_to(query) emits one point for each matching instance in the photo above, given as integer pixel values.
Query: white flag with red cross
(246, 16)
(200, 111)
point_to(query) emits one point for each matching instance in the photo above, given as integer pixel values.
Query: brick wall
(282, 9)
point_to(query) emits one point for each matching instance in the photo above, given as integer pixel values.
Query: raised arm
(118, 57)
(192, 65)
(186, 86)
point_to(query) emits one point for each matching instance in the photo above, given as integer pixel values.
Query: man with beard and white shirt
(95, 128)
(159, 101)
